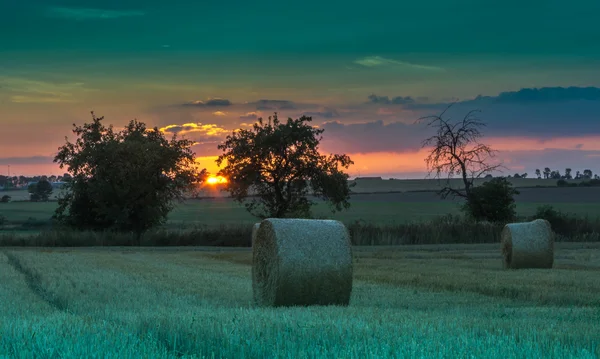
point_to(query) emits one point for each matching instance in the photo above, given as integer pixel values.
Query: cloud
(547, 94)
(262, 105)
(38, 99)
(249, 116)
(378, 61)
(206, 137)
(398, 100)
(81, 14)
(206, 129)
(219, 113)
(211, 102)
(374, 136)
(31, 160)
(326, 113)
(24, 90)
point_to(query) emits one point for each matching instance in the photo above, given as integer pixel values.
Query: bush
(493, 201)
(5, 199)
(564, 224)
(562, 183)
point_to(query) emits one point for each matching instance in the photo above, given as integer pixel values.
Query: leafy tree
(5, 199)
(517, 175)
(524, 175)
(547, 172)
(279, 162)
(40, 191)
(538, 173)
(555, 174)
(126, 180)
(492, 201)
(587, 173)
(568, 173)
(457, 151)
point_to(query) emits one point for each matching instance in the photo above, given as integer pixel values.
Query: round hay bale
(254, 230)
(299, 262)
(528, 245)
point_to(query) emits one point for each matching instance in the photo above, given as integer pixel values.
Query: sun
(216, 180)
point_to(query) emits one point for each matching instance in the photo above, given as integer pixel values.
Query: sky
(365, 72)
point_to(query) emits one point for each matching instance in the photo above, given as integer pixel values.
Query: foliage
(279, 163)
(125, 180)
(493, 201)
(457, 151)
(5, 199)
(40, 191)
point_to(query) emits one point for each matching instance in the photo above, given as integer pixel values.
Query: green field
(407, 302)
(375, 209)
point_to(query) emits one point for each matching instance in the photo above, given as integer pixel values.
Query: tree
(538, 173)
(517, 175)
(555, 174)
(457, 151)
(492, 201)
(5, 199)
(524, 175)
(578, 175)
(40, 191)
(568, 173)
(587, 174)
(279, 163)
(125, 180)
(547, 172)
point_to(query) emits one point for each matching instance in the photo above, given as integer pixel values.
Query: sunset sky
(364, 71)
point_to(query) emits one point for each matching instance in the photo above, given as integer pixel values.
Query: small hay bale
(528, 245)
(299, 262)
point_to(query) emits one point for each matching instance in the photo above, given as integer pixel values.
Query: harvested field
(417, 301)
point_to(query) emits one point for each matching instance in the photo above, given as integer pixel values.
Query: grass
(426, 301)
(218, 212)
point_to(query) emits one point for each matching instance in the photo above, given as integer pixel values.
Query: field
(407, 301)
(376, 208)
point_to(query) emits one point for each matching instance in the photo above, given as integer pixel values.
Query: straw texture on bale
(528, 245)
(254, 230)
(299, 262)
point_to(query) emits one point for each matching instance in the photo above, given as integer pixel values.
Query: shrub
(5, 198)
(493, 201)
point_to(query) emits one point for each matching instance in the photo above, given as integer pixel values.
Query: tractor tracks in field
(34, 283)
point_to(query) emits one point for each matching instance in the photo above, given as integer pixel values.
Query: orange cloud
(219, 113)
(205, 129)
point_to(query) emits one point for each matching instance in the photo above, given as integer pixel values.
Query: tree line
(130, 180)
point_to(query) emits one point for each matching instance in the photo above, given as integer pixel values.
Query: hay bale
(301, 262)
(254, 230)
(528, 245)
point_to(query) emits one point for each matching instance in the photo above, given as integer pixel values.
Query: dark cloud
(385, 100)
(263, 105)
(327, 113)
(548, 94)
(32, 160)
(213, 102)
(375, 136)
(249, 116)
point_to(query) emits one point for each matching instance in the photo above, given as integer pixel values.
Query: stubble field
(407, 301)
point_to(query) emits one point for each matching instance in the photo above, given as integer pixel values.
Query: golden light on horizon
(216, 180)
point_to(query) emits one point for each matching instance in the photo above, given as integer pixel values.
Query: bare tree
(457, 151)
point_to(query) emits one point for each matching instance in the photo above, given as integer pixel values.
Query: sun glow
(216, 180)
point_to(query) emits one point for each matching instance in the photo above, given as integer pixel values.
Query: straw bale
(254, 230)
(528, 245)
(300, 262)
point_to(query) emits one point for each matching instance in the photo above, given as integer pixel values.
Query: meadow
(162, 300)
(196, 302)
